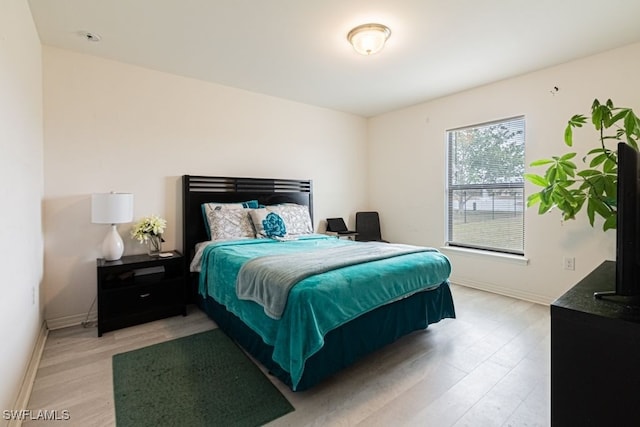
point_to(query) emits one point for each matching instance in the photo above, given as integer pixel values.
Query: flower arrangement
(147, 227)
(149, 230)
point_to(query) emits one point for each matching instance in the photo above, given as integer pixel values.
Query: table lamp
(112, 208)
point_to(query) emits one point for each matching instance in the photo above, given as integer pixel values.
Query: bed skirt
(348, 343)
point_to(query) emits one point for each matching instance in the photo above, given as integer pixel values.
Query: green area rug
(199, 380)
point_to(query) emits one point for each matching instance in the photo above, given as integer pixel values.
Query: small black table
(140, 288)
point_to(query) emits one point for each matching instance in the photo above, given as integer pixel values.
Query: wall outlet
(569, 263)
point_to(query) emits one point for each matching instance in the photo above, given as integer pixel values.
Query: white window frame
(451, 188)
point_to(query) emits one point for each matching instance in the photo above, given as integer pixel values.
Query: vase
(154, 245)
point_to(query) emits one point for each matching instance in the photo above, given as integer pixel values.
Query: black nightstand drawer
(139, 288)
(143, 297)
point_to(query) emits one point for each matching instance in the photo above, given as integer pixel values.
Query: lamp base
(112, 246)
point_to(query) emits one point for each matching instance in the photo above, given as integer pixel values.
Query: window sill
(513, 259)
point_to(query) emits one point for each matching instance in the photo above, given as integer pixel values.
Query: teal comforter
(319, 303)
(268, 280)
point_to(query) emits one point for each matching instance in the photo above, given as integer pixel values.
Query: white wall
(407, 169)
(112, 126)
(21, 187)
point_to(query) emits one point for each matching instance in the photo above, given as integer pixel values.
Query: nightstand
(139, 288)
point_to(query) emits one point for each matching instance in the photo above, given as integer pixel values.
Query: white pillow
(227, 224)
(268, 224)
(209, 207)
(296, 217)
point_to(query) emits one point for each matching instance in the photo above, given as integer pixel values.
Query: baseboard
(509, 292)
(75, 320)
(30, 375)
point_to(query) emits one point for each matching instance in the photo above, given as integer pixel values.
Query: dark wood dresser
(595, 356)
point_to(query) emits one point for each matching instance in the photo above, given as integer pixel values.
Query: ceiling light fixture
(368, 39)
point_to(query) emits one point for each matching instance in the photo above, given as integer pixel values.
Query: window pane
(490, 219)
(486, 186)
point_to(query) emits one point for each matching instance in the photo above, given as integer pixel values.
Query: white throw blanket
(267, 280)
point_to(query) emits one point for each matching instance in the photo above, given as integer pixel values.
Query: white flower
(148, 226)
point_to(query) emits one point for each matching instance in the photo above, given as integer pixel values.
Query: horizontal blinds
(486, 186)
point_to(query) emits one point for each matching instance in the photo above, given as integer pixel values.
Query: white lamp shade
(111, 208)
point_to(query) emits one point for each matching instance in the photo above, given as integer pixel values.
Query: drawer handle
(145, 295)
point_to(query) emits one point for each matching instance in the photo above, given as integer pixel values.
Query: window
(485, 183)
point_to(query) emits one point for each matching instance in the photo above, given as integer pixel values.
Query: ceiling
(297, 49)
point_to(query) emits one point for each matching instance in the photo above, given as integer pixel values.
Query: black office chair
(368, 227)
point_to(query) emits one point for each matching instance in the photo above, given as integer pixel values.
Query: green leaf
(541, 162)
(631, 124)
(577, 120)
(606, 114)
(545, 197)
(569, 168)
(568, 135)
(585, 186)
(597, 150)
(566, 183)
(597, 160)
(568, 156)
(564, 194)
(596, 117)
(611, 202)
(609, 166)
(536, 179)
(545, 201)
(588, 173)
(610, 190)
(533, 199)
(597, 186)
(544, 208)
(600, 208)
(610, 223)
(591, 213)
(550, 175)
(619, 115)
(580, 201)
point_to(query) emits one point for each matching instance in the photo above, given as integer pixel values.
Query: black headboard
(197, 190)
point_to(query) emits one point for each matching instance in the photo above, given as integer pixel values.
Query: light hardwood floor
(488, 367)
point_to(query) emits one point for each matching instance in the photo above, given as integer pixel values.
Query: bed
(327, 319)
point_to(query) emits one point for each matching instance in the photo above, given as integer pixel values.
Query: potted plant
(567, 187)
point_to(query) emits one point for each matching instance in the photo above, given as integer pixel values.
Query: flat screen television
(627, 286)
